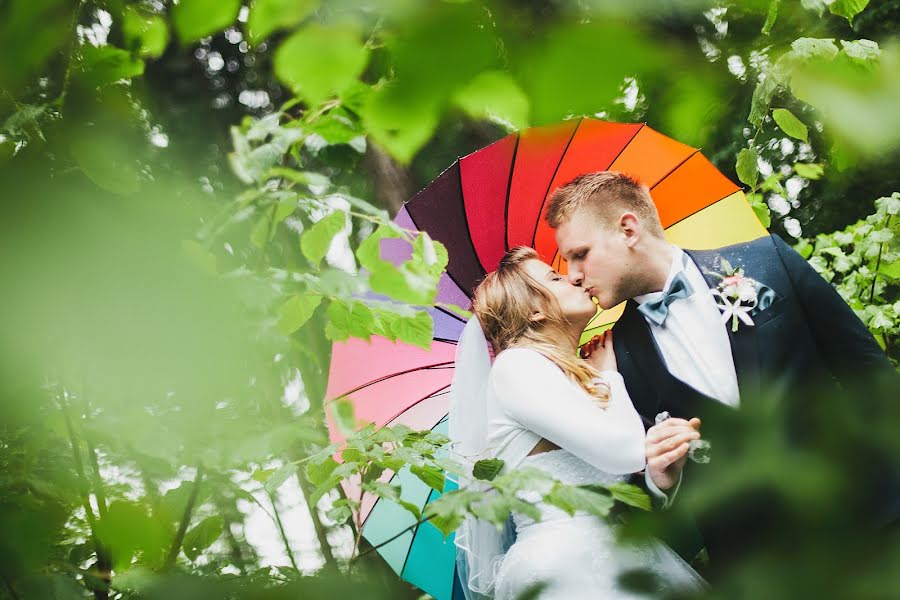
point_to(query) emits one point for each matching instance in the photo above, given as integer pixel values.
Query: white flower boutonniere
(738, 296)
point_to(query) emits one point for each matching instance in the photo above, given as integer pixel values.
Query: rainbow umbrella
(483, 204)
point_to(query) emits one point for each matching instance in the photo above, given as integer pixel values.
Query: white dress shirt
(694, 343)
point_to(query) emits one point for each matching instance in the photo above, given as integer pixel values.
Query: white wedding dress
(529, 398)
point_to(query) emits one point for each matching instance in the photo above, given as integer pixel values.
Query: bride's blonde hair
(505, 303)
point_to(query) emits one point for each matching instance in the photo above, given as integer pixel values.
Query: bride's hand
(599, 353)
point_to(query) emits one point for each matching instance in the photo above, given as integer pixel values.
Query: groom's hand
(667, 447)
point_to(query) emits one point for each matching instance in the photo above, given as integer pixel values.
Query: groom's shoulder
(765, 248)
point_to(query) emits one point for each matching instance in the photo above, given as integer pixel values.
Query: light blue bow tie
(657, 310)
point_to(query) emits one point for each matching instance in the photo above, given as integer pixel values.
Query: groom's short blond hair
(606, 195)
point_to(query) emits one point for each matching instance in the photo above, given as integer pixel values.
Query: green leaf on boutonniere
(487, 469)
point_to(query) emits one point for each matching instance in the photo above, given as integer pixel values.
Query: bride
(539, 405)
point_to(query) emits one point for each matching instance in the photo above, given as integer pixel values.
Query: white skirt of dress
(579, 557)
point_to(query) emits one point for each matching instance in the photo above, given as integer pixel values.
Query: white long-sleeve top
(529, 398)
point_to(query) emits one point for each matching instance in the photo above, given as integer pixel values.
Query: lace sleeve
(535, 393)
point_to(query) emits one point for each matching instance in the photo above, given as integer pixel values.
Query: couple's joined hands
(667, 444)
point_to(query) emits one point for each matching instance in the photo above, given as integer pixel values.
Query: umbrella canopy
(483, 204)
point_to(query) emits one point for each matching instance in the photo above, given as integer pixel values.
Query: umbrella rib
(675, 168)
(391, 376)
(449, 274)
(449, 314)
(702, 209)
(512, 168)
(438, 392)
(552, 177)
(414, 532)
(628, 143)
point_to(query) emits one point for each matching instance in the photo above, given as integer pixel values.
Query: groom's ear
(630, 227)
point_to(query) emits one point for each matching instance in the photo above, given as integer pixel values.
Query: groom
(671, 345)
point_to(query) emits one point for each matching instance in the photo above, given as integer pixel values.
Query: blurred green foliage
(194, 199)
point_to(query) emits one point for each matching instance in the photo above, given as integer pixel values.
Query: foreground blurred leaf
(318, 61)
(495, 95)
(194, 19)
(296, 312)
(809, 170)
(267, 16)
(146, 34)
(101, 65)
(277, 479)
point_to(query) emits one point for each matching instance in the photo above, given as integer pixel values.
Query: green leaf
(342, 412)
(106, 160)
(629, 494)
(383, 490)
(494, 95)
(401, 129)
(339, 514)
(294, 313)
(195, 19)
(790, 124)
(308, 178)
(809, 170)
(847, 8)
(127, 529)
(804, 248)
(344, 321)
(814, 48)
(317, 472)
(571, 499)
(320, 61)
(369, 251)
(430, 476)
(316, 240)
(102, 65)
(771, 16)
(412, 508)
(760, 208)
(861, 50)
(763, 94)
(417, 330)
(448, 512)
(325, 487)
(202, 536)
(285, 207)
(267, 16)
(487, 469)
(262, 475)
(277, 479)
(747, 169)
(890, 269)
(262, 231)
(148, 35)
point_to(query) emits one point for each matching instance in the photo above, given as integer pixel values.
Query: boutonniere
(739, 297)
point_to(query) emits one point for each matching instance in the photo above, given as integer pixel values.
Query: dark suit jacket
(807, 336)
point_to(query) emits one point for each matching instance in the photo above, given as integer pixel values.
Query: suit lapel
(744, 350)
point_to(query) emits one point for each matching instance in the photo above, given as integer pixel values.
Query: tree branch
(185, 521)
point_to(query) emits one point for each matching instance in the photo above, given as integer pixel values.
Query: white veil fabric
(480, 546)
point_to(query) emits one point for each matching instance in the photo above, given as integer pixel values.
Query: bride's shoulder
(517, 358)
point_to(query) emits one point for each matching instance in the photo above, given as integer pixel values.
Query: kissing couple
(701, 332)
